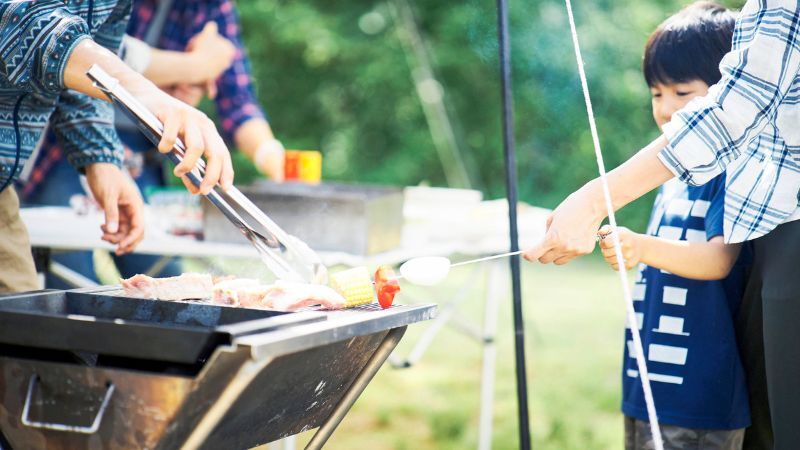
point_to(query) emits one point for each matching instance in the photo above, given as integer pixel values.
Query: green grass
(574, 324)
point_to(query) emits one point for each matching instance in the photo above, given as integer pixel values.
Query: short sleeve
(757, 75)
(716, 207)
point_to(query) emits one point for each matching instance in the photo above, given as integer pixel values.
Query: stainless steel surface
(359, 384)
(286, 256)
(91, 429)
(259, 388)
(355, 219)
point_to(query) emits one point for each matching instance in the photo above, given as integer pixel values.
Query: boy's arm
(710, 260)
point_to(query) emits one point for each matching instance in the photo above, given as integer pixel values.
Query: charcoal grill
(86, 369)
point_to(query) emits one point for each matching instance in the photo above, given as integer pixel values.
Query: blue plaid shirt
(36, 39)
(748, 123)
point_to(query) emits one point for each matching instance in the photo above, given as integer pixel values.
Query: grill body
(258, 388)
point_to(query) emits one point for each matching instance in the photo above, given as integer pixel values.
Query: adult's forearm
(251, 134)
(168, 68)
(88, 53)
(637, 176)
(180, 120)
(695, 260)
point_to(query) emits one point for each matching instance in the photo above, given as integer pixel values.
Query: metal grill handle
(91, 429)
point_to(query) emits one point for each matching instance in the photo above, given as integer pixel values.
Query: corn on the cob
(355, 285)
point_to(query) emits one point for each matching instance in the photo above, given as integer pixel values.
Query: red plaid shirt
(236, 102)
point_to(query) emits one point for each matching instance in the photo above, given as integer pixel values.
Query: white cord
(623, 275)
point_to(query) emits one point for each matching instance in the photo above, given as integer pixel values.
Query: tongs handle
(287, 257)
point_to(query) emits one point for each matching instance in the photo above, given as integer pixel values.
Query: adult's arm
(702, 138)
(255, 139)
(55, 54)
(197, 130)
(165, 68)
(242, 117)
(572, 226)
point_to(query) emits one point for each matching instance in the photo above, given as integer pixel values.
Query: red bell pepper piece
(386, 286)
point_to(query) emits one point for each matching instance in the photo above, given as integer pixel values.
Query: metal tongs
(286, 256)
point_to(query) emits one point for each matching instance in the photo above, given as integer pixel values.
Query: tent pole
(511, 193)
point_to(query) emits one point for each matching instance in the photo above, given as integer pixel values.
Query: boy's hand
(628, 241)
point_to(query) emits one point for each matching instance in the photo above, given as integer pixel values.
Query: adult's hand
(199, 135)
(571, 229)
(191, 94)
(270, 159)
(196, 130)
(256, 140)
(213, 54)
(180, 120)
(124, 210)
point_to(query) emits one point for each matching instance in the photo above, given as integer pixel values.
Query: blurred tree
(333, 76)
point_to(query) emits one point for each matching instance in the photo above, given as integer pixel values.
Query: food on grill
(291, 296)
(243, 292)
(254, 296)
(354, 285)
(227, 290)
(183, 287)
(386, 286)
(426, 270)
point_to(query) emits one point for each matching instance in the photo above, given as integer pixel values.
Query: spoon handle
(486, 258)
(503, 255)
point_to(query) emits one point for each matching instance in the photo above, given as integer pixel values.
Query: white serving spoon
(432, 270)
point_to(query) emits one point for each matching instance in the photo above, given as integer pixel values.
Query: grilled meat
(183, 287)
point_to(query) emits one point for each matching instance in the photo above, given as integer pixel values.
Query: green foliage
(334, 76)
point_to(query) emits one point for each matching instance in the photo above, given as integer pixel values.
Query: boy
(687, 294)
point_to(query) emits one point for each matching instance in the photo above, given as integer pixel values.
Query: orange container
(303, 165)
(291, 166)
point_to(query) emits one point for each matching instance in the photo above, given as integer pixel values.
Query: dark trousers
(769, 338)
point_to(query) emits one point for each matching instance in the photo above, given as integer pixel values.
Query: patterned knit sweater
(36, 40)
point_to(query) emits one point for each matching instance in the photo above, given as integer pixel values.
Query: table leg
(158, 266)
(446, 313)
(70, 276)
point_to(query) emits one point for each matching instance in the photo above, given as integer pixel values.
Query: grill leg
(354, 391)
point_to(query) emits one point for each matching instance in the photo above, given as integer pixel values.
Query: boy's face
(669, 98)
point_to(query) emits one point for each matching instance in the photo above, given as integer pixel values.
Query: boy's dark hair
(689, 45)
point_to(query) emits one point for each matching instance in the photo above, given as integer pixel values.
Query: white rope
(623, 275)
